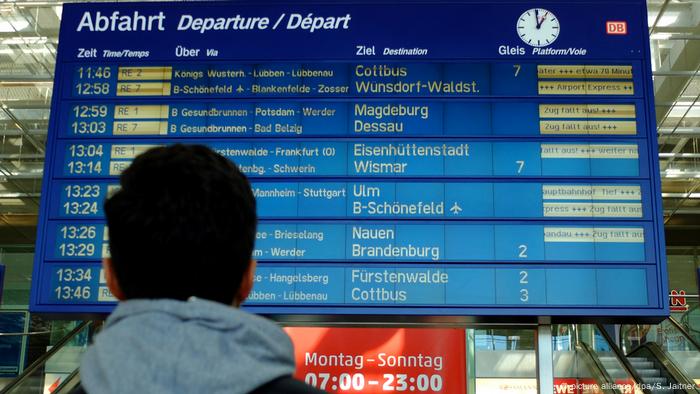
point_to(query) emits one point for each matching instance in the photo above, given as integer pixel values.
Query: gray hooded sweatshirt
(198, 346)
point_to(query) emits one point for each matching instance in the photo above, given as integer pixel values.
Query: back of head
(183, 224)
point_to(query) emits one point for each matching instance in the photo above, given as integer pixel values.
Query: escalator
(665, 356)
(650, 374)
(653, 358)
(55, 371)
(581, 350)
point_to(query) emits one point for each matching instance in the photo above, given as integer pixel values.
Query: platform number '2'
(522, 251)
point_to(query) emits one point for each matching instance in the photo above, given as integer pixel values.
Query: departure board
(408, 158)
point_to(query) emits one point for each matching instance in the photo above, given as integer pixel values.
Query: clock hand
(537, 17)
(544, 18)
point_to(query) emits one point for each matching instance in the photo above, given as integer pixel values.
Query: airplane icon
(456, 209)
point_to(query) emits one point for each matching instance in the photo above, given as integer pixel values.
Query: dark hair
(182, 224)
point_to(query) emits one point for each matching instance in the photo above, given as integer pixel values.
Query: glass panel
(505, 361)
(571, 373)
(57, 367)
(18, 275)
(690, 319)
(13, 344)
(682, 279)
(24, 338)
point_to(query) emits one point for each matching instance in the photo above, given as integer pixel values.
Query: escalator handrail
(667, 364)
(602, 372)
(621, 357)
(684, 332)
(69, 383)
(23, 334)
(29, 371)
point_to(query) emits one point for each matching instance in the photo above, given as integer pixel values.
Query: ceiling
(675, 47)
(29, 36)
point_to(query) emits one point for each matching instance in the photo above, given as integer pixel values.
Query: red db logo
(678, 301)
(616, 27)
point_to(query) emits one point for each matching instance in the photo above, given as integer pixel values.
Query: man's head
(182, 224)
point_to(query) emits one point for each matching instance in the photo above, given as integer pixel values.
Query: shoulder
(286, 385)
(78, 390)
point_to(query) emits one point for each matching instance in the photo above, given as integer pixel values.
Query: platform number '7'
(517, 68)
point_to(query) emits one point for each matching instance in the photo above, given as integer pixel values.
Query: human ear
(246, 285)
(111, 279)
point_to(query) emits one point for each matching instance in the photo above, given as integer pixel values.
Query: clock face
(538, 27)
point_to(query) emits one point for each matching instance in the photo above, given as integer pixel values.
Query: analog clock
(538, 27)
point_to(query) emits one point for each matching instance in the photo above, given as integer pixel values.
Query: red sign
(381, 360)
(590, 386)
(616, 27)
(678, 301)
(566, 386)
(576, 386)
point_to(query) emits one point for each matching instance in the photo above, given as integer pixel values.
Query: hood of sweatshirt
(197, 346)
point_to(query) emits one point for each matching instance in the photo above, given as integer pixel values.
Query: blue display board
(462, 158)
